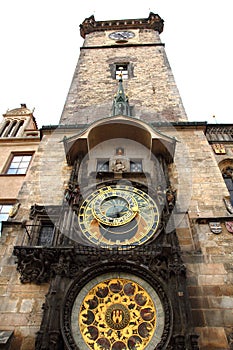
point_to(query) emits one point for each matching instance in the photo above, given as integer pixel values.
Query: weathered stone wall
(20, 304)
(152, 90)
(208, 257)
(196, 175)
(209, 277)
(45, 181)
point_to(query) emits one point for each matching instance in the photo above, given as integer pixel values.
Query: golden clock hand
(135, 208)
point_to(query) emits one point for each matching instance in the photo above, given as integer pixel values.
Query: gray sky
(40, 44)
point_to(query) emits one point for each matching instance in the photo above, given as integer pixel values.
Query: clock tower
(116, 277)
(132, 294)
(133, 48)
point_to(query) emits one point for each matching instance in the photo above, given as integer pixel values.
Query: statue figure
(119, 166)
(171, 198)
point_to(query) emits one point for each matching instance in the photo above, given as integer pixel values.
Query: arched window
(10, 130)
(18, 126)
(5, 126)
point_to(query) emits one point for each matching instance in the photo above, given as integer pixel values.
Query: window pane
(4, 213)
(26, 158)
(17, 158)
(46, 236)
(23, 164)
(22, 171)
(12, 171)
(14, 163)
(5, 208)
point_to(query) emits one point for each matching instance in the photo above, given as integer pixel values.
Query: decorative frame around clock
(82, 286)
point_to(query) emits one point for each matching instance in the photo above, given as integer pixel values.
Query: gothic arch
(120, 127)
(226, 167)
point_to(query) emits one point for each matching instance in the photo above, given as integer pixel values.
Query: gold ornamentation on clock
(117, 314)
(118, 216)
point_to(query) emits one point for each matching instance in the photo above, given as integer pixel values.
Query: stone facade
(151, 89)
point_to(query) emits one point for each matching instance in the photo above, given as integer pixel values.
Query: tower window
(102, 165)
(19, 164)
(135, 166)
(122, 71)
(4, 128)
(18, 126)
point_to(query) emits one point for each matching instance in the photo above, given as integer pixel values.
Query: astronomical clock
(120, 305)
(118, 215)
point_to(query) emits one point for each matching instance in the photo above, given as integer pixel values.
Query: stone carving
(161, 193)
(229, 226)
(119, 166)
(219, 148)
(215, 227)
(171, 198)
(14, 210)
(72, 194)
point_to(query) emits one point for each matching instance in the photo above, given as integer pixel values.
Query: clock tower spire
(120, 102)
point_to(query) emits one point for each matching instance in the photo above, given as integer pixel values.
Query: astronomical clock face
(117, 313)
(118, 216)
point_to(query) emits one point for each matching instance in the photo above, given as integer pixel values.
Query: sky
(40, 45)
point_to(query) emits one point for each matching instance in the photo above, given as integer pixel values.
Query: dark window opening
(4, 128)
(46, 235)
(228, 178)
(136, 166)
(102, 165)
(18, 126)
(11, 129)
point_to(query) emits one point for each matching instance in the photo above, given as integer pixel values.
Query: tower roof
(90, 25)
(22, 111)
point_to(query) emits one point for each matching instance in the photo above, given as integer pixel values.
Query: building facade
(123, 224)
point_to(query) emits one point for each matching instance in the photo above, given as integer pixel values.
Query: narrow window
(228, 178)
(136, 166)
(46, 235)
(122, 71)
(16, 130)
(102, 165)
(4, 213)
(4, 128)
(19, 164)
(11, 129)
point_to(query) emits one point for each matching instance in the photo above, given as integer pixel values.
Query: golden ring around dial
(114, 207)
